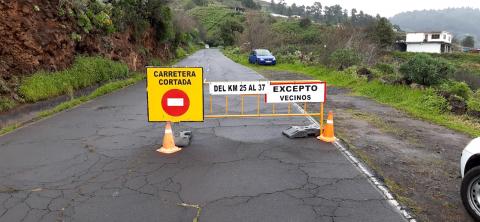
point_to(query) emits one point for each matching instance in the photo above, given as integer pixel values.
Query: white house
(278, 15)
(431, 42)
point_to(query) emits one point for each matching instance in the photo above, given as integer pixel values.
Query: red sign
(175, 102)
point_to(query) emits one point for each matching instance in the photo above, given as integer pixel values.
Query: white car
(470, 170)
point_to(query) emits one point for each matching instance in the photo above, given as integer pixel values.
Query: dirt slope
(33, 37)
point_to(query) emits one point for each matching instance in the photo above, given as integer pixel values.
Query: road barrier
(175, 94)
(275, 93)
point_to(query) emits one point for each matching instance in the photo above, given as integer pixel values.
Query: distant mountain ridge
(459, 21)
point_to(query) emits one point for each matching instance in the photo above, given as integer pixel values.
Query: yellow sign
(175, 94)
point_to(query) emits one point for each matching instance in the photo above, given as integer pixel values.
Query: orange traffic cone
(168, 141)
(327, 132)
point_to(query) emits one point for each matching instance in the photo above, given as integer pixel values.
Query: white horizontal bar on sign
(314, 92)
(238, 88)
(175, 102)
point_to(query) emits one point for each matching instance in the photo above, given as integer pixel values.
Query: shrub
(460, 89)
(305, 22)
(394, 78)
(85, 72)
(468, 76)
(180, 52)
(102, 21)
(90, 15)
(434, 102)
(344, 58)
(425, 70)
(473, 104)
(385, 68)
(6, 104)
(457, 104)
(84, 22)
(76, 37)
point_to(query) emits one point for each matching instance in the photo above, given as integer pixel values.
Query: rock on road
(97, 162)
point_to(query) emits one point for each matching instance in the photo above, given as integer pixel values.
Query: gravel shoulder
(419, 161)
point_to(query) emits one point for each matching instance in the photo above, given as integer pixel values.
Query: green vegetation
(425, 70)
(105, 89)
(90, 15)
(140, 15)
(460, 89)
(220, 23)
(86, 71)
(344, 58)
(385, 68)
(6, 103)
(331, 15)
(102, 90)
(468, 41)
(474, 104)
(383, 33)
(402, 97)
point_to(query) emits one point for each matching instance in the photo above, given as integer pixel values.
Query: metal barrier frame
(258, 114)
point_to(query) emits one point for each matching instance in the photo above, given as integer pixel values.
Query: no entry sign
(175, 102)
(175, 94)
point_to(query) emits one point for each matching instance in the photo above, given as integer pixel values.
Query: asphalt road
(97, 162)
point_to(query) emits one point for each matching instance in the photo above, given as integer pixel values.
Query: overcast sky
(388, 8)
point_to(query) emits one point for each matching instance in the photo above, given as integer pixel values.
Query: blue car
(261, 57)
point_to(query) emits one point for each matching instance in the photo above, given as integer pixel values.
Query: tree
(258, 31)
(250, 4)
(305, 22)
(228, 30)
(353, 17)
(383, 33)
(316, 11)
(468, 41)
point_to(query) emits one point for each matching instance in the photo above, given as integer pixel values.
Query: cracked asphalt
(97, 162)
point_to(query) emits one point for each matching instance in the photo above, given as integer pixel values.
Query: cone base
(169, 150)
(327, 139)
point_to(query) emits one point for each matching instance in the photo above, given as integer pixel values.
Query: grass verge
(400, 97)
(86, 71)
(102, 90)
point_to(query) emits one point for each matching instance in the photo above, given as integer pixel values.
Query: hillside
(459, 21)
(46, 39)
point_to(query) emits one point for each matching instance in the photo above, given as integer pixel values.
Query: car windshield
(263, 52)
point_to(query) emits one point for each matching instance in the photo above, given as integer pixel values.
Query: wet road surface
(97, 162)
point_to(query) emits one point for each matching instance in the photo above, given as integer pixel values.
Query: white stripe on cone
(175, 102)
(330, 121)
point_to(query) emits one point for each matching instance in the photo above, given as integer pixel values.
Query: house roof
(429, 32)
